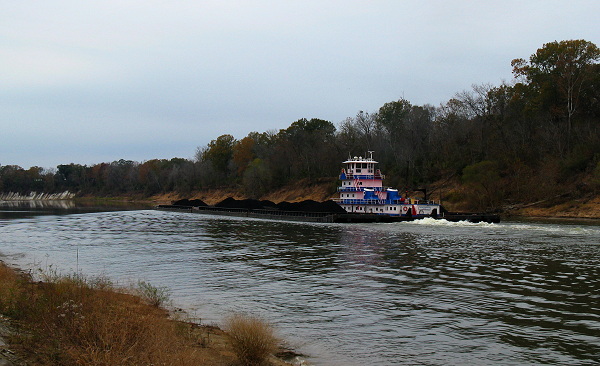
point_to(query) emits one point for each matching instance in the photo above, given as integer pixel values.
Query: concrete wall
(34, 196)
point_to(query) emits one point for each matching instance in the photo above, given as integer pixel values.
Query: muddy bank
(568, 209)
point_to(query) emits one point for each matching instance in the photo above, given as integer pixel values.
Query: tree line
(532, 138)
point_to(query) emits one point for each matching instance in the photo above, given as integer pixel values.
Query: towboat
(362, 191)
(362, 199)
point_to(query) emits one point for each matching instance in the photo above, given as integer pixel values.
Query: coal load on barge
(362, 198)
(311, 211)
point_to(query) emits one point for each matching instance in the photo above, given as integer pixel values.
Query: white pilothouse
(362, 191)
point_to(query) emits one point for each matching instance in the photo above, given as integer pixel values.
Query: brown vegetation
(71, 320)
(252, 338)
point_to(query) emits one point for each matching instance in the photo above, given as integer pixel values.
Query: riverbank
(451, 194)
(72, 320)
(559, 208)
(582, 208)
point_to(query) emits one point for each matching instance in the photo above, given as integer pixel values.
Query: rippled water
(428, 292)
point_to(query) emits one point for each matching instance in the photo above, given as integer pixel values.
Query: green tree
(308, 147)
(70, 176)
(407, 133)
(219, 152)
(392, 117)
(13, 179)
(559, 72)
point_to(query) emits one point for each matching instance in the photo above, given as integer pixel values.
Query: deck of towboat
(325, 216)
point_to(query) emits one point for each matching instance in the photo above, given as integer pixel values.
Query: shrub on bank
(252, 339)
(153, 295)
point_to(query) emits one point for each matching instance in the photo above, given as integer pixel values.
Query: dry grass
(75, 321)
(252, 339)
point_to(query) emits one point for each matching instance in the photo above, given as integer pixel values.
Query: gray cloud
(91, 82)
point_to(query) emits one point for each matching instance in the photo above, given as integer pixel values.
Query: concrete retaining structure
(34, 196)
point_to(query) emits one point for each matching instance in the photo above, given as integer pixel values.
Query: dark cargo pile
(248, 204)
(251, 204)
(189, 203)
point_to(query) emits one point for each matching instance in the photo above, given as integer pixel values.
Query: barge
(362, 199)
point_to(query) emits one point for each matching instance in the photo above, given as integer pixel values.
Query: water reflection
(30, 208)
(297, 247)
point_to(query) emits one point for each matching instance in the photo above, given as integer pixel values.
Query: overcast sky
(96, 81)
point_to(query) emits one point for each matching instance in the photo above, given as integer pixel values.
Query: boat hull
(326, 216)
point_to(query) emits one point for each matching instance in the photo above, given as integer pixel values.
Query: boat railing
(359, 201)
(358, 189)
(377, 175)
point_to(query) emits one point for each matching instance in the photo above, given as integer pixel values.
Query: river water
(422, 293)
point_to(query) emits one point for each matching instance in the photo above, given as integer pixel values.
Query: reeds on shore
(73, 320)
